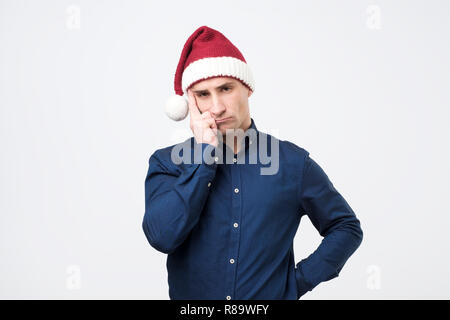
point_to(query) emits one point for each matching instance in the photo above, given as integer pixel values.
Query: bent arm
(174, 201)
(335, 220)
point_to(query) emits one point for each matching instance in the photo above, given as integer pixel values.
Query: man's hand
(203, 124)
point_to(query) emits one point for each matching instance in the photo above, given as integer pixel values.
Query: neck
(235, 144)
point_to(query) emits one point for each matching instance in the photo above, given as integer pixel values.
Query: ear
(250, 92)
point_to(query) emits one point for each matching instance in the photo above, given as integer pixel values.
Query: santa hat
(206, 54)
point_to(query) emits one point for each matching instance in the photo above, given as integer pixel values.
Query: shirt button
(216, 159)
(234, 160)
(236, 190)
(232, 261)
(209, 184)
(251, 141)
(228, 298)
(235, 225)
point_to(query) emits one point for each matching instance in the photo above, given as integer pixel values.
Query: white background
(362, 85)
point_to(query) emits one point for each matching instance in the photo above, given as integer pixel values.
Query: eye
(202, 94)
(226, 88)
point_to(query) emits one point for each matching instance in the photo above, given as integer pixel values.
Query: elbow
(361, 234)
(154, 237)
(354, 232)
(358, 231)
(358, 234)
(351, 226)
(354, 227)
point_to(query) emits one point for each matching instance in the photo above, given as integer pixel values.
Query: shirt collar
(253, 125)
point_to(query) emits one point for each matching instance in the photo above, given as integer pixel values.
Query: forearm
(174, 204)
(328, 259)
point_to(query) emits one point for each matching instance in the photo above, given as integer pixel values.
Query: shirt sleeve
(174, 200)
(334, 219)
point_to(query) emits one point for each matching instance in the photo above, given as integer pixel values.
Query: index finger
(193, 109)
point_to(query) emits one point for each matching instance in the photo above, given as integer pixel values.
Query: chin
(226, 125)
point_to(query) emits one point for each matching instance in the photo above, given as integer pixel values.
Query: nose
(218, 107)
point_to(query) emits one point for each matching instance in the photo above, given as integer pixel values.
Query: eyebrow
(221, 86)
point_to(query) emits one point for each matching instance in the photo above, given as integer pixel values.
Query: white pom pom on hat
(206, 54)
(177, 107)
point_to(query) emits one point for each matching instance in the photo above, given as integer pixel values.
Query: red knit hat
(206, 54)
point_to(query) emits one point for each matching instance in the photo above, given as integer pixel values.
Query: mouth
(223, 120)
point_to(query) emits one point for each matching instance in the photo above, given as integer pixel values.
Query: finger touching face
(193, 109)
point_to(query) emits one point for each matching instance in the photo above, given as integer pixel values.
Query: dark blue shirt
(228, 230)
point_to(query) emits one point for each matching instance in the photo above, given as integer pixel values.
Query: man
(227, 228)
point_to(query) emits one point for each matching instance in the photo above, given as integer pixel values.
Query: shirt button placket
(236, 212)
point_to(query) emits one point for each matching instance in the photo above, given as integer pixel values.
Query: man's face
(225, 98)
